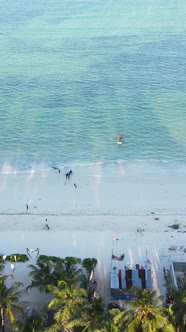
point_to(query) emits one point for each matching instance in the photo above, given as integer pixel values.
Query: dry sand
(84, 220)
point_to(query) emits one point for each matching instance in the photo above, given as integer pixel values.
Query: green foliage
(147, 314)
(47, 259)
(89, 264)
(29, 324)
(76, 309)
(72, 261)
(42, 275)
(50, 269)
(17, 258)
(68, 300)
(91, 316)
(8, 299)
(1, 264)
(177, 309)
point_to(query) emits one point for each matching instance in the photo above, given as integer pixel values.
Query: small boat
(120, 139)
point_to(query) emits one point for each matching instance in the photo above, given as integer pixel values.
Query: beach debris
(156, 218)
(173, 248)
(114, 238)
(140, 230)
(175, 226)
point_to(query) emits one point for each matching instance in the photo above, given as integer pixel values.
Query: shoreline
(84, 167)
(103, 192)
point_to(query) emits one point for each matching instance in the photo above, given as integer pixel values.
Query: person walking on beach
(27, 207)
(68, 174)
(47, 227)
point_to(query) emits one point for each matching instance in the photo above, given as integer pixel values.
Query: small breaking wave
(128, 166)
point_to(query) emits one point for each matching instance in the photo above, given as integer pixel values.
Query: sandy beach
(74, 76)
(84, 221)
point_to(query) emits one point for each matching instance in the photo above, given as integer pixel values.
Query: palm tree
(71, 273)
(92, 316)
(41, 275)
(8, 298)
(177, 309)
(30, 324)
(48, 270)
(89, 264)
(119, 319)
(147, 315)
(1, 264)
(87, 280)
(68, 302)
(116, 320)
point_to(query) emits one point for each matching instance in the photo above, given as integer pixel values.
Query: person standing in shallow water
(27, 207)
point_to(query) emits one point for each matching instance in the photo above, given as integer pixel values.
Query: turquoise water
(73, 74)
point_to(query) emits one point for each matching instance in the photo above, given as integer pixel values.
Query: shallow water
(74, 74)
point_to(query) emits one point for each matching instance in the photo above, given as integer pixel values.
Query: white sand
(83, 221)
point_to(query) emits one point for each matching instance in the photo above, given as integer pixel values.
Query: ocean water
(75, 73)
